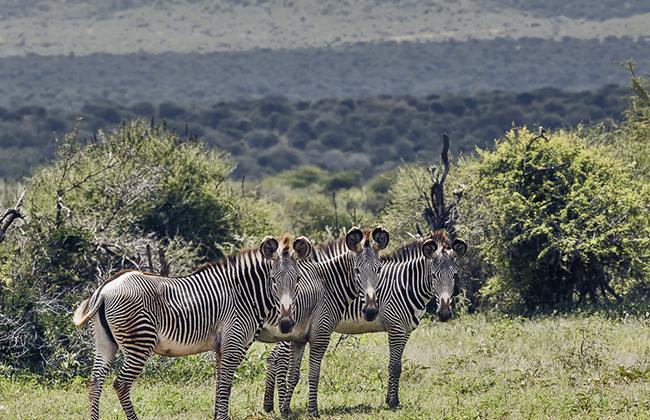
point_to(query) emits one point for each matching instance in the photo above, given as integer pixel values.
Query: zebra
(410, 277)
(219, 307)
(330, 282)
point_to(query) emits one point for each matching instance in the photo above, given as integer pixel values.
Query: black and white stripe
(218, 307)
(410, 277)
(339, 273)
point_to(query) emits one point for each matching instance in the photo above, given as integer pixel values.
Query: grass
(475, 366)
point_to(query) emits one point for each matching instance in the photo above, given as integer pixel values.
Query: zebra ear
(429, 248)
(353, 239)
(302, 248)
(459, 248)
(269, 247)
(381, 237)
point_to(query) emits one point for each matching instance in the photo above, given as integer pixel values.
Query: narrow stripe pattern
(338, 273)
(219, 307)
(409, 278)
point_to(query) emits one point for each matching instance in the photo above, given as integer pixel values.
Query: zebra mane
(335, 247)
(440, 237)
(285, 243)
(413, 249)
(237, 259)
(328, 250)
(366, 237)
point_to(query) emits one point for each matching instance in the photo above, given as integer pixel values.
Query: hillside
(349, 71)
(82, 27)
(371, 134)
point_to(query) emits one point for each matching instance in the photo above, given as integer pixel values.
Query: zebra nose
(370, 313)
(444, 315)
(286, 325)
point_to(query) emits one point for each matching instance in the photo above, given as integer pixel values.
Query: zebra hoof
(285, 412)
(268, 408)
(314, 414)
(392, 403)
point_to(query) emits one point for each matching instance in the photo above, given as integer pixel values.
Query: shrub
(559, 220)
(91, 213)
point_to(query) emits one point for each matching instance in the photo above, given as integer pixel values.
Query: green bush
(92, 212)
(558, 220)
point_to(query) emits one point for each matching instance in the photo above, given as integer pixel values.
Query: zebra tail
(83, 314)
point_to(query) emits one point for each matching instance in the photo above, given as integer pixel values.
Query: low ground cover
(475, 366)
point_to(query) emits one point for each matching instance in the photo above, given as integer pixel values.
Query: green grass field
(475, 366)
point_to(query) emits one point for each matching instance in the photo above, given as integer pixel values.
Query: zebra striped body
(219, 307)
(408, 280)
(328, 285)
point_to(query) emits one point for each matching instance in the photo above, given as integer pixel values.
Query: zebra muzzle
(285, 320)
(444, 309)
(370, 310)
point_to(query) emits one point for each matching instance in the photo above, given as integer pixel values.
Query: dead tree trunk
(9, 215)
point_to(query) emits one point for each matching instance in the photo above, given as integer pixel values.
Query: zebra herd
(279, 293)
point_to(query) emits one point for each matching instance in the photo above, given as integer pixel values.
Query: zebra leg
(290, 378)
(277, 362)
(317, 348)
(135, 357)
(217, 376)
(104, 349)
(396, 342)
(229, 357)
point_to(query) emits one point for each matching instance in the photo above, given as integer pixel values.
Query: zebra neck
(252, 286)
(412, 280)
(338, 279)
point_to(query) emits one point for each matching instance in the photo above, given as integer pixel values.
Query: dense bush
(558, 219)
(93, 212)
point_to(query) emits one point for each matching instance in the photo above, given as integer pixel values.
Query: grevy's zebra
(219, 307)
(329, 283)
(409, 279)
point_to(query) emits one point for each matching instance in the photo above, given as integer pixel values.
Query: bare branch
(9, 215)
(164, 267)
(149, 259)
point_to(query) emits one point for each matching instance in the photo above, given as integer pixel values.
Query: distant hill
(82, 27)
(370, 135)
(351, 71)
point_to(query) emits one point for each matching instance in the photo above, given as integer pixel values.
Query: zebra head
(367, 265)
(284, 274)
(442, 266)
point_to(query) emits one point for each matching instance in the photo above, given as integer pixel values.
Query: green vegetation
(354, 70)
(370, 135)
(488, 365)
(557, 217)
(557, 220)
(100, 209)
(553, 220)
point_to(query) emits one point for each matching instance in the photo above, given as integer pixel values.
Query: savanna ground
(475, 366)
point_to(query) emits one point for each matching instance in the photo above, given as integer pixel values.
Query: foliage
(632, 139)
(322, 206)
(369, 135)
(94, 211)
(558, 219)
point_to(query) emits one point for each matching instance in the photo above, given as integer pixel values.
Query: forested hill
(350, 71)
(368, 135)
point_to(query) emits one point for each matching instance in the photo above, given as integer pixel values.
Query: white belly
(166, 347)
(271, 334)
(360, 326)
